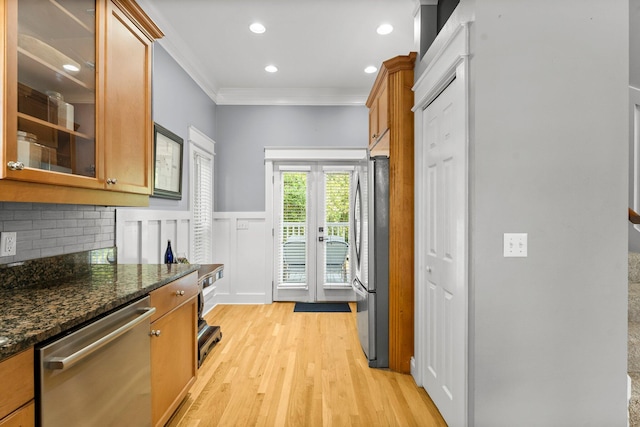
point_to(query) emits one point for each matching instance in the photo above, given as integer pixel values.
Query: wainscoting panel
(142, 235)
(240, 243)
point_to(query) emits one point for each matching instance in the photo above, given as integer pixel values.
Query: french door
(312, 235)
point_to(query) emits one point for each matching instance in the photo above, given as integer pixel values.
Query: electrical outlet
(7, 243)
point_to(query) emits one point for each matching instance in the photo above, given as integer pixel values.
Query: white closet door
(442, 284)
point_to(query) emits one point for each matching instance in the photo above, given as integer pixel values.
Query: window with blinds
(202, 207)
(337, 195)
(293, 227)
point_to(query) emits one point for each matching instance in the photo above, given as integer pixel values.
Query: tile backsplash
(45, 230)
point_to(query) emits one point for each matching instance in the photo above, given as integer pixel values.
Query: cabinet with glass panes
(59, 81)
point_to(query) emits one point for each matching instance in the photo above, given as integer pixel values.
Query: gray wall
(634, 43)
(178, 102)
(244, 131)
(549, 158)
(634, 99)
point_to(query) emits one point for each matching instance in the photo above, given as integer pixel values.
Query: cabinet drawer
(17, 379)
(174, 294)
(23, 417)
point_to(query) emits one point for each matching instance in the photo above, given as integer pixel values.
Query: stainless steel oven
(100, 374)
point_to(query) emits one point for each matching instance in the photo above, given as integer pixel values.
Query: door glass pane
(337, 194)
(293, 228)
(56, 85)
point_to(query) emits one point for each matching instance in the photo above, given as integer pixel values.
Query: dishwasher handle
(61, 363)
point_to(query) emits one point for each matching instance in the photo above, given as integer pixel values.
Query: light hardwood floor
(274, 367)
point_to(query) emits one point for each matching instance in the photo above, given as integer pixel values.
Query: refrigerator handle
(358, 288)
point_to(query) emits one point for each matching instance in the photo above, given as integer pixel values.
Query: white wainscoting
(241, 243)
(142, 235)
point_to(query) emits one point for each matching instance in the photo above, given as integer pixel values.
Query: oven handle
(68, 361)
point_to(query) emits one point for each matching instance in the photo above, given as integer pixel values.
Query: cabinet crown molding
(139, 16)
(391, 66)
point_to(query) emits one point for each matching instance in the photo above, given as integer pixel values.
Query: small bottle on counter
(168, 254)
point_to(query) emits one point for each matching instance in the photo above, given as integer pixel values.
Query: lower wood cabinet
(23, 417)
(174, 353)
(16, 393)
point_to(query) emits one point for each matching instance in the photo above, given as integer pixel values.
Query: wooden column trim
(398, 74)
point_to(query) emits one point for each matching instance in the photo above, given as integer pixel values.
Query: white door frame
(451, 62)
(274, 154)
(317, 287)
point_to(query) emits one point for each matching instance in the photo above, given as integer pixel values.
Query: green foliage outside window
(294, 209)
(294, 206)
(337, 207)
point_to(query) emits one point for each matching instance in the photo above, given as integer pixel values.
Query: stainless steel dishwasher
(99, 375)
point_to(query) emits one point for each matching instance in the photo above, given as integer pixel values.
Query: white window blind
(202, 208)
(293, 228)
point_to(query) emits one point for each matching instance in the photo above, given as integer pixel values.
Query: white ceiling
(321, 47)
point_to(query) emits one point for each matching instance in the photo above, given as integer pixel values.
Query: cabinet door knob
(16, 166)
(111, 180)
(155, 333)
(179, 293)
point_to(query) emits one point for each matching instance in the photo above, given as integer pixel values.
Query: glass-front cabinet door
(55, 92)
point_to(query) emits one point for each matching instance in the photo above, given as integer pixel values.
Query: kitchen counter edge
(42, 330)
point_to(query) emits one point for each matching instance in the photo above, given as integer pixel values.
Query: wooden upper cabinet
(77, 122)
(391, 127)
(128, 126)
(379, 117)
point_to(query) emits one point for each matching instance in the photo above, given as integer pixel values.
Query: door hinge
(272, 233)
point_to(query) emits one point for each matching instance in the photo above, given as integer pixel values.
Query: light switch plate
(242, 224)
(515, 244)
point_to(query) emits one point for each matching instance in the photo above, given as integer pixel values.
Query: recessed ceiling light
(370, 69)
(257, 28)
(385, 29)
(271, 68)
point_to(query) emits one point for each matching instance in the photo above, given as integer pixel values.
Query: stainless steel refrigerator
(371, 281)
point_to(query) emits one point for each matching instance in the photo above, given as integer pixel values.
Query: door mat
(323, 307)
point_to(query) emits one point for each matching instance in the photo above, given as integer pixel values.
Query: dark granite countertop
(33, 313)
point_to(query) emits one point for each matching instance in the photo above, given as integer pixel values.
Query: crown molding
(175, 46)
(290, 96)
